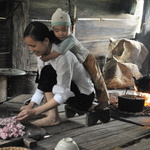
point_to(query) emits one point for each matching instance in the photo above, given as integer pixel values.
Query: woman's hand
(29, 106)
(25, 114)
(26, 107)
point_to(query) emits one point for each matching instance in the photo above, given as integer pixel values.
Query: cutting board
(31, 130)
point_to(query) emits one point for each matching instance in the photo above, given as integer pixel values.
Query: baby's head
(60, 18)
(61, 24)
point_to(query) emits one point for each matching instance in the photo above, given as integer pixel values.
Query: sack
(124, 60)
(120, 75)
(128, 51)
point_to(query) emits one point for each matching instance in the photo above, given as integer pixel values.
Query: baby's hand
(44, 58)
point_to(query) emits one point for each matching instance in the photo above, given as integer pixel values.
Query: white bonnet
(60, 18)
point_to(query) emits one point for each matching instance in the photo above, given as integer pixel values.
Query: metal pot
(143, 84)
(130, 103)
(23, 84)
(5, 74)
(11, 72)
(3, 88)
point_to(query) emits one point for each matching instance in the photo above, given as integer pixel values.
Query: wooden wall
(144, 35)
(94, 35)
(21, 58)
(5, 35)
(115, 20)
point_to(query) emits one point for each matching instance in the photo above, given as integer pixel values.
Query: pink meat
(4, 135)
(12, 128)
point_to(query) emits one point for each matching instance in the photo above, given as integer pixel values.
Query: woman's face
(37, 47)
(61, 32)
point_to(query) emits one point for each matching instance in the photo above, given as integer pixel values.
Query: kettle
(143, 83)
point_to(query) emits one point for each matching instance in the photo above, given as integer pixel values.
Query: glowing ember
(147, 99)
(146, 96)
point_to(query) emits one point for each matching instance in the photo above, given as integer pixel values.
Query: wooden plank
(138, 118)
(144, 144)
(141, 120)
(102, 136)
(18, 101)
(66, 124)
(21, 98)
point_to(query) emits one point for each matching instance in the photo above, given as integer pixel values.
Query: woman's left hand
(25, 114)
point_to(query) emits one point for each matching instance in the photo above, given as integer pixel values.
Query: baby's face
(61, 32)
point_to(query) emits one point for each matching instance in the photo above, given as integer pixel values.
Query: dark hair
(39, 31)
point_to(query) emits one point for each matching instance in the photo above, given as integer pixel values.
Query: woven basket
(13, 148)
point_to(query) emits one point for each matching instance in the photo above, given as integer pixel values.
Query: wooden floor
(118, 134)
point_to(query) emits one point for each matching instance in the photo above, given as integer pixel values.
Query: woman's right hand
(25, 114)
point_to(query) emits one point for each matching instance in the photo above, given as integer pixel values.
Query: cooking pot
(5, 85)
(130, 103)
(143, 84)
(11, 72)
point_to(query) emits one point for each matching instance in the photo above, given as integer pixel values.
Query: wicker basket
(13, 148)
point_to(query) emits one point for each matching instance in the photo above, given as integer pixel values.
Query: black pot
(130, 103)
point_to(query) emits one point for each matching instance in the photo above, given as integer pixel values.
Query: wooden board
(102, 136)
(141, 120)
(18, 101)
(31, 130)
(66, 124)
(137, 118)
(143, 144)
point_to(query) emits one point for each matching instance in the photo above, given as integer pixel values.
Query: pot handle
(135, 81)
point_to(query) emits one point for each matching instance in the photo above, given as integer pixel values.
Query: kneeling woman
(62, 80)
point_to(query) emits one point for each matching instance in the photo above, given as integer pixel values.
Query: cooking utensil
(11, 72)
(5, 89)
(130, 103)
(143, 83)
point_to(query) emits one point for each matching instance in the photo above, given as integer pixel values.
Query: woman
(63, 79)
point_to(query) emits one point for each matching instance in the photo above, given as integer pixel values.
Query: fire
(146, 96)
(147, 99)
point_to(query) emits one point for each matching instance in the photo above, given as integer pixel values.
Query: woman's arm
(47, 106)
(66, 44)
(27, 113)
(62, 48)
